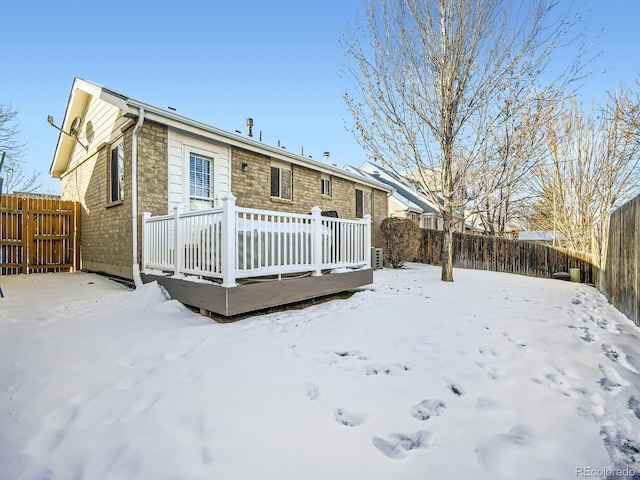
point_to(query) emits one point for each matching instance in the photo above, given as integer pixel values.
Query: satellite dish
(74, 130)
(75, 126)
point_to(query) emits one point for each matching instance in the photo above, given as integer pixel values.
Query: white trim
(200, 203)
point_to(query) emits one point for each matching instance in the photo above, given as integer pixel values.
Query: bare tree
(428, 73)
(497, 183)
(15, 178)
(592, 167)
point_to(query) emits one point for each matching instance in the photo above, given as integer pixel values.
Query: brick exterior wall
(106, 226)
(153, 174)
(253, 190)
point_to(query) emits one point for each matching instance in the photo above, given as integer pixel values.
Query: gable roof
(403, 192)
(82, 91)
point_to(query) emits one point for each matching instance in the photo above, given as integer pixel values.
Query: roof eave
(79, 97)
(178, 121)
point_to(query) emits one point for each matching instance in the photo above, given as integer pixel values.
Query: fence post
(229, 236)
(23, 206)
(367, 239)
(316, 241)
(178, 247)
(145, 240)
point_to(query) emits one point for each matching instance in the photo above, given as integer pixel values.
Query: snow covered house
(220, 206)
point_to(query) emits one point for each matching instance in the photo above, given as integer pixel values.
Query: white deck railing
(230, 242)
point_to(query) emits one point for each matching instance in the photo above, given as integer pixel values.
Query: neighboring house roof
(402, 192)
(406, 194)
(82, 91)
(539, 236)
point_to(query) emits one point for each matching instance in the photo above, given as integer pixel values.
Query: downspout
(134, 197)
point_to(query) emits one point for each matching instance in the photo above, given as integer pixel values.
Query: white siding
(107, 122)
(180, 146)
(176, 174)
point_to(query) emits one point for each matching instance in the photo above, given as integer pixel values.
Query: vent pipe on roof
(250, 127)
(326, 156)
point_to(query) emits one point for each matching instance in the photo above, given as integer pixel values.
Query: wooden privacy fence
(503, 255)
(38, 234)
(619, 278)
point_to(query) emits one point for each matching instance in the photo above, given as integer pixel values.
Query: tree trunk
(446, 258)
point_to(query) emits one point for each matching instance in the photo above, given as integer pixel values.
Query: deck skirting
(229, 301)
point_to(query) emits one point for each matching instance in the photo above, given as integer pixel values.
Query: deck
(231, 260)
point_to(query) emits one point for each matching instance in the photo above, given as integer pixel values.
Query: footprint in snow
(347, 353)
(456, 390)
(605, 325)
(381, 369)
(619, 357)
(634, 406)
(311, 390)
(348, 419)
(588, 336)
(428, 408)
(399, 444)
(611, 381)
(516, 342)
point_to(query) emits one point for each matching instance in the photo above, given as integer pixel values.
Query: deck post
(316, 241)
(178, 247)
(367, 239)
(229, 236)
(145, 240)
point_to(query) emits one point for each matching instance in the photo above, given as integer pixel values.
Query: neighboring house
(411, 201)
(404, 202)
(120, 157)
(407, 201)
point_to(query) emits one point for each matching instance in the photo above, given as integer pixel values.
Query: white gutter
(134, 198)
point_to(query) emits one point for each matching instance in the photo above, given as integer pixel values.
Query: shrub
(400, 240)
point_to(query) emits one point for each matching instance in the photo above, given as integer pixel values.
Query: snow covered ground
(495, 376)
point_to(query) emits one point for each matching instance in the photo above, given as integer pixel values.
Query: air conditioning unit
(376, 258)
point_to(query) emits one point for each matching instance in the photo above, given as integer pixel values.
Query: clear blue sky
(276, 61)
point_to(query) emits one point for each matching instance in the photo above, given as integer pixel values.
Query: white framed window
(363, 203)
(200, 178)
(430, 222)
(281, 182)
(116, 173)
(325, 187)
